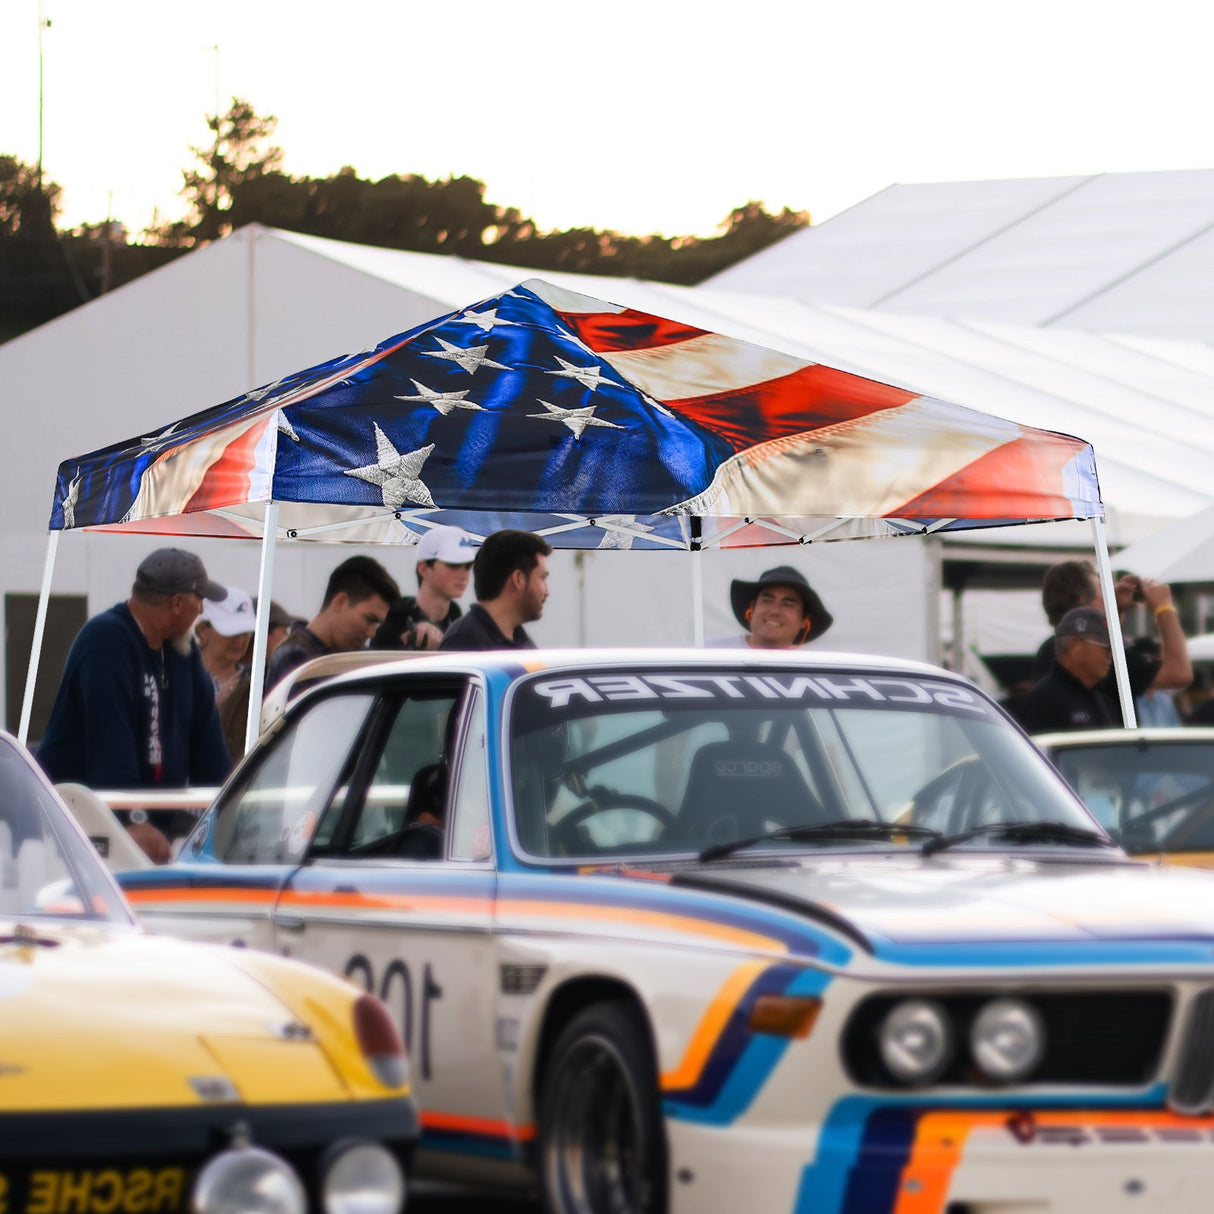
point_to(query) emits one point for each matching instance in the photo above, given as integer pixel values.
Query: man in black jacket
(510, 576)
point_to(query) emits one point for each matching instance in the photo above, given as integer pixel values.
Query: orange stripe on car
(661, 920)
(458, 1123)
(940, 1140)
(712, 1025)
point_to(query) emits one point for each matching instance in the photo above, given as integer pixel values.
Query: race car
(1152, 789)
(143, 1075)
(710, 930)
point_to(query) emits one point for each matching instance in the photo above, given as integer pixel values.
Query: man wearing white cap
(444, 565)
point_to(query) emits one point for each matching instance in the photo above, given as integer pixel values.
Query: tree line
(239, 179)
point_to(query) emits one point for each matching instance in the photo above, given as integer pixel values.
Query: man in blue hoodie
(135, 706)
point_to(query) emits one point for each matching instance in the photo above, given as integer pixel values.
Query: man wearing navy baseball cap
(1072, 695)
(135, 706)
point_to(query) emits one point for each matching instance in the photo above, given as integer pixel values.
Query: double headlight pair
(359, 1178)
(917, 1040)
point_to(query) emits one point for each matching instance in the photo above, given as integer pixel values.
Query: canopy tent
(589, 423)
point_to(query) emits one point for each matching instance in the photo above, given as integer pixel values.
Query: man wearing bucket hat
(444, 565)
(780, 610)
(135, 706)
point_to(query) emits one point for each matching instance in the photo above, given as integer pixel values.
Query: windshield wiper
(844, 828)
(1024, 832)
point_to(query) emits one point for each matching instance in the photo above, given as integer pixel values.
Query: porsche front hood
(92, 1018)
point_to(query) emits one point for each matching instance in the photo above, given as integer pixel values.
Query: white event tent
(262, 303)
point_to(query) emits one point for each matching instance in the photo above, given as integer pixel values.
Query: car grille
(1099, 1038)
(1193, 1089)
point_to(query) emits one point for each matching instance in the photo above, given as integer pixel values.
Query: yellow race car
(143, 1075)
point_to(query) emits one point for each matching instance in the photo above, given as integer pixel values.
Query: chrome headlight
(916, 1041)
(248, 1180)
(1007, 1040)
(363, 1178)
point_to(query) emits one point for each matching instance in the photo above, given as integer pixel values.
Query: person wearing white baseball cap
(444, 565)
(223, 632)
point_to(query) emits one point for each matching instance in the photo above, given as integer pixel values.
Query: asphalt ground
(430, 1197)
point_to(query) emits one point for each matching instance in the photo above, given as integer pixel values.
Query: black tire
(602, 1142)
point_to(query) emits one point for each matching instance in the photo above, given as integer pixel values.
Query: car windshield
(676, 761)
(46, 869)
(1151, 796)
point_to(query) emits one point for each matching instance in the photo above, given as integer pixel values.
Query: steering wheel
(564, 834)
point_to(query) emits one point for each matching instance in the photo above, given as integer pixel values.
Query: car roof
(527, 661)
(1123, 737)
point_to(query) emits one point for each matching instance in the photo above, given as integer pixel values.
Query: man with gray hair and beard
(135, 708)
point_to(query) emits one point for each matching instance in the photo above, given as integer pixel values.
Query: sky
(638, 116)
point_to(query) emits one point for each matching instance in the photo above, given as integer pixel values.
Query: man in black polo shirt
(1076, 584)
(1072, 696)
(510, 576)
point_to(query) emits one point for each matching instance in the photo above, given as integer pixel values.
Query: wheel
(602, 1143)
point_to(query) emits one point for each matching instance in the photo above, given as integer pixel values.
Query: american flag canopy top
(594, 424)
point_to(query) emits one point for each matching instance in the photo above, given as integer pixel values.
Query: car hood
(97, 1018)
(958, 909)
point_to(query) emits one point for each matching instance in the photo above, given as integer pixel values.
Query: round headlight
(364, 1178)
(916, 1041)
(248, 1180)
(1007, 1040)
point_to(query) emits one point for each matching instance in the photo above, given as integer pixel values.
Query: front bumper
(146, 1160)
(919, 1160)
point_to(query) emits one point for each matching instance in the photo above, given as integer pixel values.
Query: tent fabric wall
(262, 303)
(1117, 252)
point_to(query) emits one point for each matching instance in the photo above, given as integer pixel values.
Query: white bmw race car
(703, 931)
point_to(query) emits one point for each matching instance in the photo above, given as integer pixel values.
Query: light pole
(42, 24)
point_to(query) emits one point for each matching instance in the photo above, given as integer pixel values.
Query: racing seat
(421, 834)
(737, 789)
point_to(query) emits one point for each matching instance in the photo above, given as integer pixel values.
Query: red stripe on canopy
(608, 332)
(990, 486)
(806, 400)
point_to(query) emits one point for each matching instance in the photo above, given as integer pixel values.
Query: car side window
(271, 818)
(471, 835)
(404, 805)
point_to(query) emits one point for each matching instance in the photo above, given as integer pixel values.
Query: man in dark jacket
(510, 576)
(135, 706)
(444, 565)
(1072, 695)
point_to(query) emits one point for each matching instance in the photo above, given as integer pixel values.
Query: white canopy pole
(697, 586)
(261, 628)
(1109, 591)
(31, 678)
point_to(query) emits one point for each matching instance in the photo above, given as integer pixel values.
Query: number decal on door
(396, 989)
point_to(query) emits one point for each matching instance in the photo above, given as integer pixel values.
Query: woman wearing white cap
(223, 631)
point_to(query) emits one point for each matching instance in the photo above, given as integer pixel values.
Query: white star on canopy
(284, 427)
(70, 501)
(588, 377)
(396, 474)
(487, 320)
(576, 419)
(444, 402)
(468, 357)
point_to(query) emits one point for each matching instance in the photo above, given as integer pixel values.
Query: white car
(707, 931)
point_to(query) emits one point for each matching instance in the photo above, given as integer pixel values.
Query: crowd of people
(155, 691)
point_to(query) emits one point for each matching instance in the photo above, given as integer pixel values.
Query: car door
(416, 928)
(225, 884)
